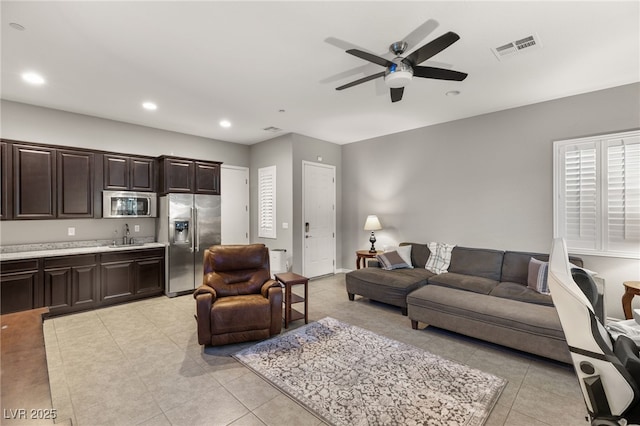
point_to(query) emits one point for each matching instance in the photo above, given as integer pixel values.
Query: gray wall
(274, 152)
(48, 126)
(287, 153)
(484, 181)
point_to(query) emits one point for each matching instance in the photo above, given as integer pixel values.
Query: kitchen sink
(126, 245)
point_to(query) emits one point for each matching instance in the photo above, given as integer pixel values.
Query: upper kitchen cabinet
(189, 176)
(128, 173)
(6, 208)
(75, 183)
(49, 183)
(34, 182)
(207, 178)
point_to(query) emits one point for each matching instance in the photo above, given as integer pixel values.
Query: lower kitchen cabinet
(76, 283)
(71, 283)
(21, 286)
(129, 275)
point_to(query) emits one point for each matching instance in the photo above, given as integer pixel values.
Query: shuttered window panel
(623, 194)
(580, 196)
(597, 194)
(267, 202)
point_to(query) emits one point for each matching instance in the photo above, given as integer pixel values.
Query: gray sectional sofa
(484, 295)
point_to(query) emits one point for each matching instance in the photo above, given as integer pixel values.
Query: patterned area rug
(350, 376)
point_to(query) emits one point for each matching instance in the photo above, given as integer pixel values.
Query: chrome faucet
(125, 238)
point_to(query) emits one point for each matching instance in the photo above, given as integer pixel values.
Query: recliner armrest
(267, 285)
(204, 296)
(204, 289)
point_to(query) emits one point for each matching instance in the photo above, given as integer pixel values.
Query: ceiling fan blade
(396, 93)
(431, 48)
(370, 57)
(438, 73)
(420, 33)
(362, 80)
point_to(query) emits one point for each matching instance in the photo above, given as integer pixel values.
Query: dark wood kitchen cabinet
(52, 183)
(21, 286)
(189, 176)
(34, 182)
(6, 189)
(75, 183)
(128, 173)
(207, 178)
(71, 283)
(132, 274)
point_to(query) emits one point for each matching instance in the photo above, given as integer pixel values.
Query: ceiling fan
(400, 71)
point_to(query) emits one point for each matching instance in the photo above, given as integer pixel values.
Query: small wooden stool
(288, 280)
(631, 288)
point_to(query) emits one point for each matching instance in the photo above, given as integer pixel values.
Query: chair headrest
(225, 258)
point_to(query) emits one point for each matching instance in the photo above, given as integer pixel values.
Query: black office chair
(608, 371)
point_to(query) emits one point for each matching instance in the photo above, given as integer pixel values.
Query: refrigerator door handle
(197, 230)
(192, 231)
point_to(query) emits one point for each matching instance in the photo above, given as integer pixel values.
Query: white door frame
(304, 258)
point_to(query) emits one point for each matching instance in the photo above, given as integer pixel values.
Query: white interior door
(319, 219)
(234, 183)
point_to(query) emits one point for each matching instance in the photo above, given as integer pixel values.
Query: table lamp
(372, 224)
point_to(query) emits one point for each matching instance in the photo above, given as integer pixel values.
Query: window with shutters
(267, 202)
(597, 194)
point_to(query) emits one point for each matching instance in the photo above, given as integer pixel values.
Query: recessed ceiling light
(150, 106)
(16, 26)
(452, 93)
(32, 78)
(225, 123)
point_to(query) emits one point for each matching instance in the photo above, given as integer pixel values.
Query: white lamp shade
(372, 223)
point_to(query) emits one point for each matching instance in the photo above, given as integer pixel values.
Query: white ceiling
(245, 61)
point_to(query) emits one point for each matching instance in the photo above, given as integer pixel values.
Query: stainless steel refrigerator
(189, 223)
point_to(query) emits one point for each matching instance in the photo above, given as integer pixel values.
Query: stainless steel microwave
(129, 204)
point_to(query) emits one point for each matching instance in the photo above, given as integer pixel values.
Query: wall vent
(272, 129)
(514, 48)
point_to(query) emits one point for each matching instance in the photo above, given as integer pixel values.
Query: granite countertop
(52, 250)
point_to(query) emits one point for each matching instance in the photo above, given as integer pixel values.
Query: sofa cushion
(511, 314)
(392, 260)
(464, 282)
(419, 254)
(483, 263)
(537, 277)
(521, 293)
(515, 267)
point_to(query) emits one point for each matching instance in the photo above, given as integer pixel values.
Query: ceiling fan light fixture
(398, 75)
(398, 79)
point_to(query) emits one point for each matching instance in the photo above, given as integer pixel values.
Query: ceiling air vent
(513, 48)
(272, 129)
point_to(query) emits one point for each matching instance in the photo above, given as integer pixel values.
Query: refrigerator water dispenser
(181, 232)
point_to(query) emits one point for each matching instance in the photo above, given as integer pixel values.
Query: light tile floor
(140, 364)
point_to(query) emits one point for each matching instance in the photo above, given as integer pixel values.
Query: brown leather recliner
(238, 301)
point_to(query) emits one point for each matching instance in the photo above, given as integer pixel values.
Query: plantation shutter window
(267, 202)
(623, 193)
(597, 194)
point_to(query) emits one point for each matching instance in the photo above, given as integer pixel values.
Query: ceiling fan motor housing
(399, 74)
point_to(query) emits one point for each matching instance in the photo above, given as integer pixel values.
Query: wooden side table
(631, 288)
(362, 255)
(288, 280)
